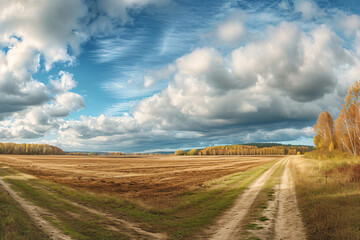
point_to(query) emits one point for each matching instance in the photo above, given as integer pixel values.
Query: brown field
(146, 178)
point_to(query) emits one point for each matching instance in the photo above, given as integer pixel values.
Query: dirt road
(36, 214)
(132, 230)
(284, 216)
(288, 224)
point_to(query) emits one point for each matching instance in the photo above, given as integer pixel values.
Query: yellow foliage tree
(324, 130)
(347, 127)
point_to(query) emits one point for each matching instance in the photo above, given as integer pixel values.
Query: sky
(160, 75)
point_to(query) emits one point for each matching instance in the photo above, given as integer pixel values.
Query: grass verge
(328, 199)
(14, 222)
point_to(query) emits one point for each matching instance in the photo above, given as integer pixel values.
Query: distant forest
(260, 149)
(262, 145)
(245, 149)
(30, 149)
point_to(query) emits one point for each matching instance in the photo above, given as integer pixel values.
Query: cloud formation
(33, 36)
(307, 8)
(286, 77)
(249, 83)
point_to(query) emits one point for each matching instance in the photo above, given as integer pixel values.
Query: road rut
(36, 213)
(228, 226)
(284, 215)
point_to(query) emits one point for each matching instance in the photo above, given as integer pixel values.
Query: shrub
(323, 154)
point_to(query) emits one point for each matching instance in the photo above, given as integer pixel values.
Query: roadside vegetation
(328, 193)
(328, 179)
(14, 223)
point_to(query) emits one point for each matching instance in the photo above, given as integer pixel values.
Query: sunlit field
(171, 195)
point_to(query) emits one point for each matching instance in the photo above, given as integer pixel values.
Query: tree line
(343, 134)
(30, 149)
(246, 150)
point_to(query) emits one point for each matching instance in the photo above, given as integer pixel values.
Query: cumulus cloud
(34, 22)
(301, 64)
(65, 82)
(36, 34)
(157, 75)
(307, 8)
(232, 30)
(284, 4)
(285, 77)
(350, 24)
(243, 89)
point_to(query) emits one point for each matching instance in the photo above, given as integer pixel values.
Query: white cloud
(71, 101)
(231, 32)
(307, 8)
(50, 31)
(285, 75)
(198, 61)
(350, 24)
(156, 75)
(288, 75)
(296, 62)
(34, 23)
(64, 83)
(284, 4)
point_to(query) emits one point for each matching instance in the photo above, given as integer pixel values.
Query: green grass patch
(14, 222)
(5, 171)
(263, 218)
(253, 226)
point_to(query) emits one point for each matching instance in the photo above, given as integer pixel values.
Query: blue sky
(150, 75)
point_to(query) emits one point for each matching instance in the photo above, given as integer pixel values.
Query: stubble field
(136, 197)
(150, 179)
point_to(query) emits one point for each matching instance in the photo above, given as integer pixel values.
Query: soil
(288, 224)
(283, 216)
(229, 224)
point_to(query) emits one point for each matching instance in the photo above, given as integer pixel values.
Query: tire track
(284, 220)
(114, 220)
(229, 225)
(35, 213)
(288, 224)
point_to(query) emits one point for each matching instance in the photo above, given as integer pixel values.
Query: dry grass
(193, 190)
(151, 180)
(328, 193)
